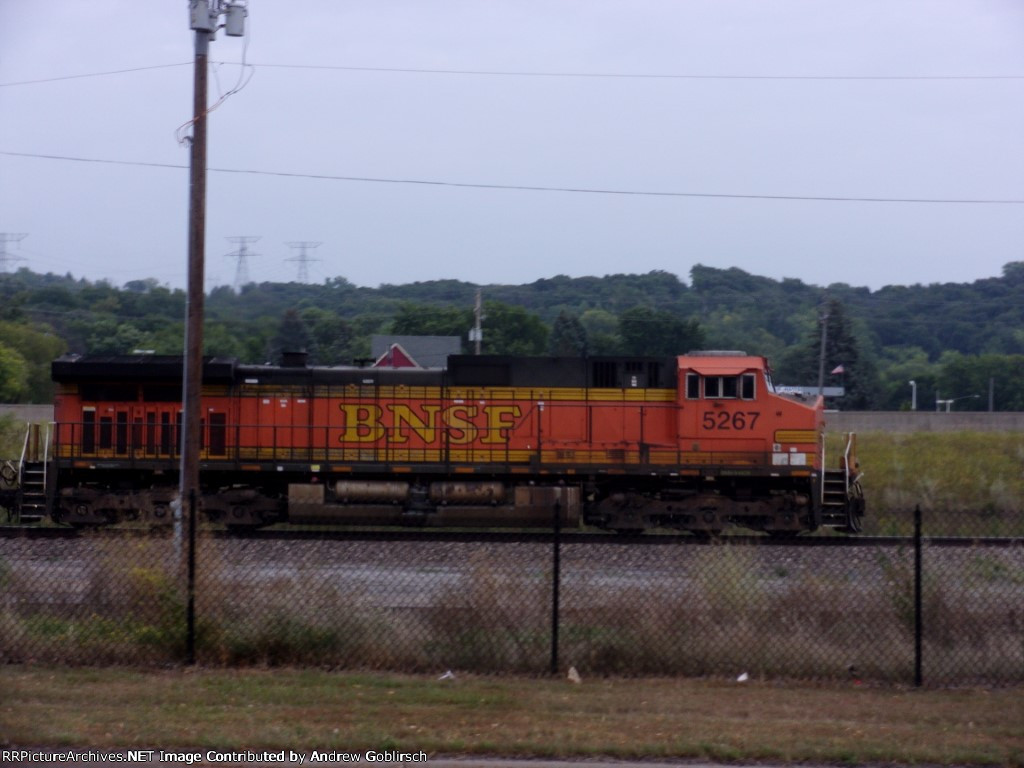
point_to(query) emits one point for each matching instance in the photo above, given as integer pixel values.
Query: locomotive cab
(753, 457)
(761, 454)
(727, 403)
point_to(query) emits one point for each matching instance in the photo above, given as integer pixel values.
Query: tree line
(961, 342)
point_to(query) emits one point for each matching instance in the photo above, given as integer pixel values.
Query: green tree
(38, 345)
(898, 367)
(331, 337)
(292, 336)
(602, 328)
(568, 336)
(427, 320)
(512, 330)
(967, 379)
(219, 341)
(142, 286)
(13, 375)
(844, 363)
(647, 331)
(109, 337)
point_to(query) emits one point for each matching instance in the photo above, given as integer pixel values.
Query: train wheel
(854, 516)
(855, 510)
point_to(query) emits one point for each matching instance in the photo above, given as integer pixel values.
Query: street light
(913, 395)
(952, 400)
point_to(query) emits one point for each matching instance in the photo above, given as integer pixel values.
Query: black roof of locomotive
(141, 367)
(462, 370)
(273, 374)
(606, 371)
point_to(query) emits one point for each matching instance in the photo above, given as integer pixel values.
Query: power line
(528, 73)
(536, 188)
(92, 74)
(624, 75)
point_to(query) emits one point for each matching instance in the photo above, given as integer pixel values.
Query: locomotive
(697, 442)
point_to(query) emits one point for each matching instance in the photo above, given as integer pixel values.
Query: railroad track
(518, 537)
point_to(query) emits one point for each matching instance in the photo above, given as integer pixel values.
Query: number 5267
(735, 421)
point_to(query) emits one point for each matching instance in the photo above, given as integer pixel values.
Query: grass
(12, 436)
(634, 718)
(967, 483)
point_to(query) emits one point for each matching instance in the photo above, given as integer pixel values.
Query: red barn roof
(396, 357)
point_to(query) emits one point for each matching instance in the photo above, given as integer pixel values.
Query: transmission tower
(303, 259)
(5, 256)
(242, 267)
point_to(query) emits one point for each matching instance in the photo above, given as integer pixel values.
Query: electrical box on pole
(234, 20)
(201, 18)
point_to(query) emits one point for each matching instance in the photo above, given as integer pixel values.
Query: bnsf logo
(365, 423)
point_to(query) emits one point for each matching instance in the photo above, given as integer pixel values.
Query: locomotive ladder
(834, 498)
(840, 507)
(32, 475)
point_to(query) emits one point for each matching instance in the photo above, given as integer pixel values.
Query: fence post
(190, 604)
(556, 579)
(918, 617)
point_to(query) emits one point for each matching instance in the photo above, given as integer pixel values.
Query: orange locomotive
(696, 443)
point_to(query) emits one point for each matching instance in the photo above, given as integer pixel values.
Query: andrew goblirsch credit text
(284, 756)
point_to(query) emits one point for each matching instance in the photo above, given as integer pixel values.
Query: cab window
(747, 386)
(693, 386)
(721, 387)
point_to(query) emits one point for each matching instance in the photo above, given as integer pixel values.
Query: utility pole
(476, 333)
(821, 356)
(5, 257)
(203, 16)
(242, 268)
(302, 258)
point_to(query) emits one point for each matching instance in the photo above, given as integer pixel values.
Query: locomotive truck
(698, 443)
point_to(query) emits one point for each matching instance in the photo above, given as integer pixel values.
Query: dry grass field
(967, 483)
(641, 718)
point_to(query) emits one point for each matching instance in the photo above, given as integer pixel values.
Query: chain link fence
(889, 612)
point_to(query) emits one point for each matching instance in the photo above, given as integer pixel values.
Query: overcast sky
(710, 113)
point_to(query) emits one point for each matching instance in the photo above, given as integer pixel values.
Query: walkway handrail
(851, 445)
(46, 452)
(24, 451)
(824, 468)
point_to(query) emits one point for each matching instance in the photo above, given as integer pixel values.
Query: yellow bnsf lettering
(457, 424)
(460, 429)
(406, 421)
(499, 418)
(362, 423)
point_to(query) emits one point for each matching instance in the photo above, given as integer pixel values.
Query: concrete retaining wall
(924, 421)
(24, 413)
